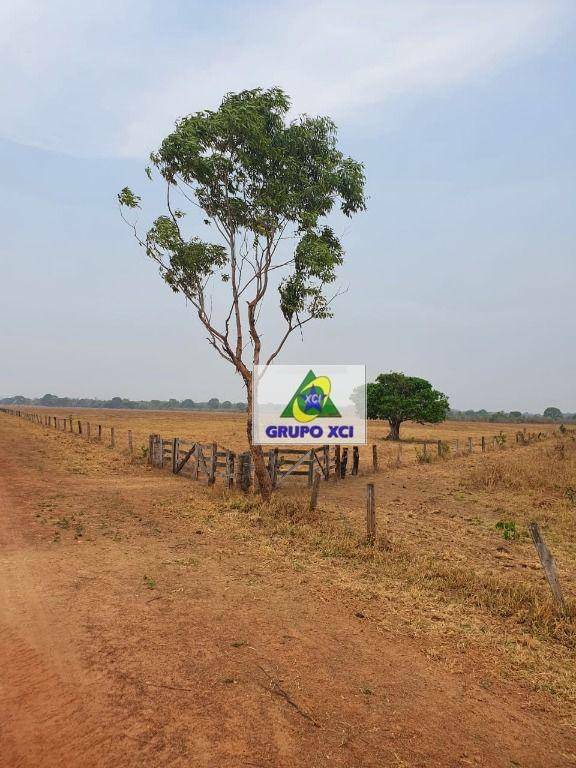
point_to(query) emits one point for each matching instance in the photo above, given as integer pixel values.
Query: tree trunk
(394, 433)
(260, 471)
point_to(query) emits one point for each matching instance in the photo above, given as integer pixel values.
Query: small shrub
(560, 451)
(501, 439)
(508, 528)
(571, 494)
(423, 456)
(443, 450)
(150, 583)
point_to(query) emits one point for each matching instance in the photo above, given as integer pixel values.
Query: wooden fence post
(275, 475)
(130, 446)
(196, 455)
(336, 462)
(370, 514)
(229, 468)
(375, 457)
(245, 471)
(100, 432)
(314, 492)
(175, 454)
(439, 447)
(273, 465)
(483, 444)
(87, 430)
(311, 467)
(326, 450)
(150, 445)
(112, 438)
(343, 463)
(548, 565)
(213, 460)
(71, 424)
(355, 460)
(469, 445)
(79, 427)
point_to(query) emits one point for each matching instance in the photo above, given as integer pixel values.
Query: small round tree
(398, 398)
(261, 187)
(553, 413)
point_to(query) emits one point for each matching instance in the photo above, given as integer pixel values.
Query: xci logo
(311, 400)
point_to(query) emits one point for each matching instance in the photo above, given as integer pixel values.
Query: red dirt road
(136, 630)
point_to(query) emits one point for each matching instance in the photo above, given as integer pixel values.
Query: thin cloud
(112, 80)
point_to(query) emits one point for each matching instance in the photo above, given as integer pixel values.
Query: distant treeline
(550, 415)
(53, 401)
(214, 404)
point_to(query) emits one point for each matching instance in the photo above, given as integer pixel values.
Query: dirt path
(134, 630)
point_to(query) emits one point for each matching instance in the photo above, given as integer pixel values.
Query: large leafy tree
(261, 182)
(553, 413)
(398, 398)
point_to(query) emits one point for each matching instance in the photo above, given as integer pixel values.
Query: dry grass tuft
(549, 468)
(525, 604)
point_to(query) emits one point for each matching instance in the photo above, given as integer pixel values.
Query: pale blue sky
(462, 269)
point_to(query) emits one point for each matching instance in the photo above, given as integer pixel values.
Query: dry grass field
(229, 429)
(150, 619)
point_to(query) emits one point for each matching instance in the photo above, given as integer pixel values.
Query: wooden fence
(211, 461)
(97, 432)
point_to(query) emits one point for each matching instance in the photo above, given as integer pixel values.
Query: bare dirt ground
(150, 620)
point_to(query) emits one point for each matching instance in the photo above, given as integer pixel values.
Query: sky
(462, 269)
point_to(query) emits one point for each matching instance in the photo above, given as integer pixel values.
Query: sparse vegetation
(549, 468)
(508, 528)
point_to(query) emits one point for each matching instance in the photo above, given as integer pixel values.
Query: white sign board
(309, 405)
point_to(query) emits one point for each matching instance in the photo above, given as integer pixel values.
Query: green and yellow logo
(311, 400)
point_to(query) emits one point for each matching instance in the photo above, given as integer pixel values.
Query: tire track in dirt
(47, 712)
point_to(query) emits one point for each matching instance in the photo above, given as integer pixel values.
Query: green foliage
(315, 260)
(128, 199)
(190, 262)
(508, 528)
(150, 582)
(552, 413)
(53, 401)
(251, 171)
(399, 398)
